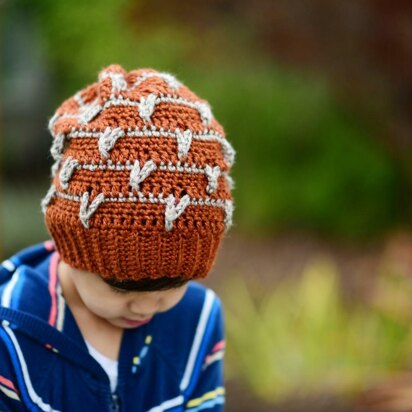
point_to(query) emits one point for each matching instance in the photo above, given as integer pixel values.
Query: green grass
(300, 337)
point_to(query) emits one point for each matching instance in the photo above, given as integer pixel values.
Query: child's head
(141, 194)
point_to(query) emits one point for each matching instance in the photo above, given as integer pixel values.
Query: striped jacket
(173, 363)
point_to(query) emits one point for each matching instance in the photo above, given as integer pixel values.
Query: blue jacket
(173, 363)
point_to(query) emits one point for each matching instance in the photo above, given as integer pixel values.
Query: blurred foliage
(21, 217)
(80, 38)
(301, 338)
(304, 161)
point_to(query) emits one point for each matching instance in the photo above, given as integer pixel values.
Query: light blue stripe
(203, 322)
(34, 397)
(8, 265)
(21, 384)
(219, 400)
(200, 356)
(8, 290)
(143, 352)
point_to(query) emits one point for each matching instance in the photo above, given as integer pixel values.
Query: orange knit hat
(140, 184)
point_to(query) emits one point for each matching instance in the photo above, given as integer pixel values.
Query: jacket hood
(30, 291)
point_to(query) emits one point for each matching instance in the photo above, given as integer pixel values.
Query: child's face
(123, 309)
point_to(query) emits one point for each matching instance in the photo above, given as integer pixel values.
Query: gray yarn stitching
(108, 139)
(57, 147)
(48, 198)
(205, 112)
(229, 180)
(67, 170)
(228, 152)
(79, 100)
(86, 210)
(172, 211)
(89, 112)
(52, 122)
(184, 141)
(55, 167)
(118, 80)
(212, 175)
(228, 214)
(167, 77)
(147, 106)
(138, 174)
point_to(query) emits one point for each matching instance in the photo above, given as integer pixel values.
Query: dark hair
(147, 284)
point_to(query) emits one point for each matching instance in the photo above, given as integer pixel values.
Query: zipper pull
(114, 405)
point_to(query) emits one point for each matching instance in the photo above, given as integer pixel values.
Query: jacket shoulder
(186, 314)
(181, 334)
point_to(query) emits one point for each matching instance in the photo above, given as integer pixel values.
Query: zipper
(114, 404)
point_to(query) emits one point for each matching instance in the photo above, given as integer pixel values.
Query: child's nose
(145, 309)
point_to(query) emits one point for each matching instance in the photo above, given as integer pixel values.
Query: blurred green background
(316, 98)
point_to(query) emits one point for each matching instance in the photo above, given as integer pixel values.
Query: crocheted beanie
(140, 183)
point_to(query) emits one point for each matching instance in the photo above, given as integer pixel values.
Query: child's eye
(120, 291)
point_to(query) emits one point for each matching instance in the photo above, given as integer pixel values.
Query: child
(106, 316)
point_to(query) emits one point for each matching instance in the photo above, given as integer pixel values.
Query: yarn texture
(140, 184)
